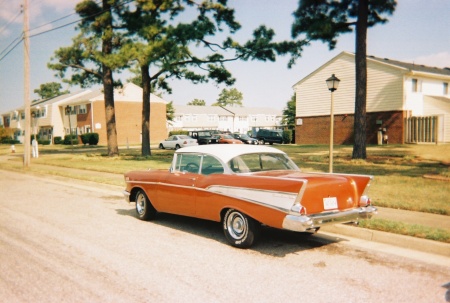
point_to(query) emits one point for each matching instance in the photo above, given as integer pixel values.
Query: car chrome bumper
(126, 196)
(304, 223)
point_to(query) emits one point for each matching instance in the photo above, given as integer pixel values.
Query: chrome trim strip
(286, 196)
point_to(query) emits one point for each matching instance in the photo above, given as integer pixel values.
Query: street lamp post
(332, 83)
(70, 124)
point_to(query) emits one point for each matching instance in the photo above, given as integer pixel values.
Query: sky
(418, 32)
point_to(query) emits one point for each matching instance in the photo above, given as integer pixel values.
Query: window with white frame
(187, 117)
(242, 118)
(223, 118)
(194, 117)
(211, 118)
(445, 88)
(82, 109)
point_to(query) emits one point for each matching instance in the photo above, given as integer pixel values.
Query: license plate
(330, 203)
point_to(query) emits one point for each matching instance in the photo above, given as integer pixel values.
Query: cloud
(59, 5)
(440, 60)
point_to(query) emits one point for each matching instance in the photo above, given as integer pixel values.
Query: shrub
(84, 138)
(67, 140)
(179, 132)
(93, 139)
(58, 140)
(44, 142)
(89, 138)
(287, 136)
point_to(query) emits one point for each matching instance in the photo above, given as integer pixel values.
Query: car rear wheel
(239, 229)
(177, 146)
(144, 208)
(161, 146)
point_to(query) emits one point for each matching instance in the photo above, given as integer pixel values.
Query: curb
(423, 245)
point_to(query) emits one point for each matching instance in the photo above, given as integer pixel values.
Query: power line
(59, 27)
(4, 27)
(6, 48)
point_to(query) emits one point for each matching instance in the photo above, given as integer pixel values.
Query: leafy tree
(50, 90)
(197, 102)
(165, 45)
(289, 113)
(170, 111)
(230, 97)
(325, 20)
(93, 56)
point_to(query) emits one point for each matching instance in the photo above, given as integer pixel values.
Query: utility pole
(27, 101)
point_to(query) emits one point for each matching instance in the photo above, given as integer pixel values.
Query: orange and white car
(244, 186)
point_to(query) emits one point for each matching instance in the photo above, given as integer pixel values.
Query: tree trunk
(146, 89)
(360, 124)
(108, 88)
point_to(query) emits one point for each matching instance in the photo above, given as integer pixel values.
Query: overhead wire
(59, 27)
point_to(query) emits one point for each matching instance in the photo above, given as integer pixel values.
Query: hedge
(287, 136)
(89, 138)
(178, 132)
(67, 140)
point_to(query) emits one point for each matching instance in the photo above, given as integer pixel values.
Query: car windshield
(204, 134)
(184, 137)
(261, 162)
(245, 137)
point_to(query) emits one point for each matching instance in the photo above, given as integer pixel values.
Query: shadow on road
(273, 242)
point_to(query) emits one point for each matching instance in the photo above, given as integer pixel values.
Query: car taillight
(297, 208)
(302, 210)
(185, 142)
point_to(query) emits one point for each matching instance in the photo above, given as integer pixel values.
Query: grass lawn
(399, 172)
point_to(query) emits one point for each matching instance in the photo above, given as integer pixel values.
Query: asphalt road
(66, 241)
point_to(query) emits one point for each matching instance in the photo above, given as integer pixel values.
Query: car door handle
(193, 179)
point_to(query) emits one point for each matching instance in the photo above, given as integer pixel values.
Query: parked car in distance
(269, 135)
(227, 139)
(245, 138)
(203, 137)
(244, 187)
(177, 141)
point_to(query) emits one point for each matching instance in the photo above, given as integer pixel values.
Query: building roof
(412, 66)
(406, 67)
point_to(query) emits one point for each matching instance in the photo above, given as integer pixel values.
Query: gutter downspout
(234, 115)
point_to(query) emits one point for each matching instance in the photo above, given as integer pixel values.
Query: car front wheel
(144, 208)
(239, 229)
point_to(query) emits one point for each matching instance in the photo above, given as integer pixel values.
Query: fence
(421, 129)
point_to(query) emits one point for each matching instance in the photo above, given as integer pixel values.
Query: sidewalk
(410, 217)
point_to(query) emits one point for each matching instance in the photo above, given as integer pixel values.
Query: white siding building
(232, 119)
(403, 100)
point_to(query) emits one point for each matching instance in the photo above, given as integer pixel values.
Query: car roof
(226, 152)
